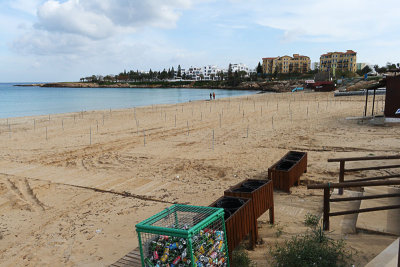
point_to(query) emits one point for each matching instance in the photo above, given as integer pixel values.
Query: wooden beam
(352, 184)
(372, 168)
(375, 178)
(364, 197)
(364, 210)
(364, 158)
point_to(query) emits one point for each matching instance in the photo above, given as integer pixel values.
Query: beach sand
(73, 186)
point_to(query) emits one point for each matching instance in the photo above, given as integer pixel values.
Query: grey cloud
(100, 19)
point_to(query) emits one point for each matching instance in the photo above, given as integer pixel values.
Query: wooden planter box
(287, 171)
(261, 193)
(239, 223)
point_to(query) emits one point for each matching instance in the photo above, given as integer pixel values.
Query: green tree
(179, 74)
(259, 69)
(364, 70)
(390, 66)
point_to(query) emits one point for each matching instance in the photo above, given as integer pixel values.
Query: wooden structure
(392, 99)
(239, 221)
(326, 187)
(343, 170)
(132, 259)
(261, 195)
(287, 171)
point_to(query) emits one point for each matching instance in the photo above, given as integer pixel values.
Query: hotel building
(344, 61)
(286, 64)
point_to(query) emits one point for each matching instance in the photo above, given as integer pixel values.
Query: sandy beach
(73, 186)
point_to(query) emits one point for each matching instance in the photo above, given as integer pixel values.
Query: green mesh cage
(183, 235)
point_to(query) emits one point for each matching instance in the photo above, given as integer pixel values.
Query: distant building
(193, 73)
(360, 66)
(286, 64)
(210, 72)
(344, 61)
(240, 67)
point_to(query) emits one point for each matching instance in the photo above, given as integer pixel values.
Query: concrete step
(388, 257)
(347, 223)
(386, 221)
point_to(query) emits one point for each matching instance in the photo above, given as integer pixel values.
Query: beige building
(344, 61)
(286, 64)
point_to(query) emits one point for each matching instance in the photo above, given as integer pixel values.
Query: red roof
(341, 53)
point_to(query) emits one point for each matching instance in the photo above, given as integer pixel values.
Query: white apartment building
(193, 73)
(239, 67)
(210, 72)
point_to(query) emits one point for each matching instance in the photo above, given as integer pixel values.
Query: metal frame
(213, 213)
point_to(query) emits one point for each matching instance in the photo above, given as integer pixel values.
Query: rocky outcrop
(270, 86)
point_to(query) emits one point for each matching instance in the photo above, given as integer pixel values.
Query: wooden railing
(328, 186)
(343, 170)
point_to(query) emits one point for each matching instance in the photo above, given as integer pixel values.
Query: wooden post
(271, 215)
(366, 103)
(341, 175)
(187, 124)
(213, 141)
(272, 122)
(134, 112)
(46, 132)
(144, 137)
(175, 120)
(62, 124)
(326, 209)
(373, 102)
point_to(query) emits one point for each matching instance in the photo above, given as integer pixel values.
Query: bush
(311, 220)
(312, 249)
(240, 258)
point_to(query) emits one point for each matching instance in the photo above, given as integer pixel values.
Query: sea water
(16, 101)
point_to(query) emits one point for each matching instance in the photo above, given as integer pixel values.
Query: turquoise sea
(18, 101)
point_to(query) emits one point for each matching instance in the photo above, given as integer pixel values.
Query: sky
(50, 40)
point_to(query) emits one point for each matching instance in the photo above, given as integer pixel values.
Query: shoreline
(127, 108)
(266, 86)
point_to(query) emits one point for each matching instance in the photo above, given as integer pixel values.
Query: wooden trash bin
(287, 171)
(261, 193)
(239, 219)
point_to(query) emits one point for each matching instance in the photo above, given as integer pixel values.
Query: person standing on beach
(213, 95)
(210, 96)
